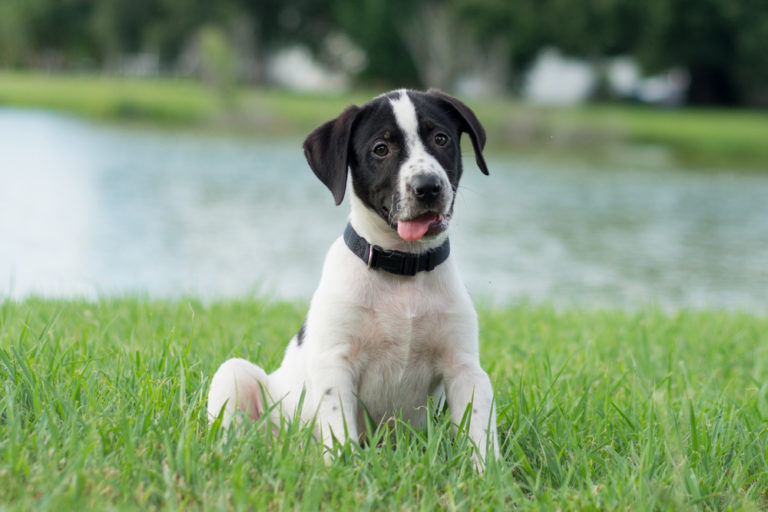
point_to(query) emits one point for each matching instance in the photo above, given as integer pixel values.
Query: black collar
(394, 262)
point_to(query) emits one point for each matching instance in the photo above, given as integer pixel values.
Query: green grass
(111, 98)
(102, 407)
(700, 137)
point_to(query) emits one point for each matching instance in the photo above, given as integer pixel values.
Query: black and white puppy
(391, 323)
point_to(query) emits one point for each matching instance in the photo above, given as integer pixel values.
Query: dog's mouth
(426, 224)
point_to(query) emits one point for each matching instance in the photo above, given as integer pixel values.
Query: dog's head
(402, 150)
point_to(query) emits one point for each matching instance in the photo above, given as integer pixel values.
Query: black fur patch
(300, 334)
(375, 179)
(351, 140)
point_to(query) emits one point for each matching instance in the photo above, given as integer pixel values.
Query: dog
(391, 325)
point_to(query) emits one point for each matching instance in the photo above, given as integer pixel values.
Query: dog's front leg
(332, 385)
(467, 383)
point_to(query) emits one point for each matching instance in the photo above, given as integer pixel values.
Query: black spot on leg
(329, 391)
(474, 411)
(335, 408)
(300, 335)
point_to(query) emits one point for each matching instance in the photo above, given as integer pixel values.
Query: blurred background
(154, 146)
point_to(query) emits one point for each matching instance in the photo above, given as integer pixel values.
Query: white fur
(389, 342)
(419, 162)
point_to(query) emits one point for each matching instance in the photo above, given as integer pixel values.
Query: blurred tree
(120, 27)
(57, 33)
(752, 44)
(515, 25)
(376, 26)
(723, 44)
(218, 59)
(15, 43)
(696, 34)
(278, 23)
(592, 29)
(176, 23)
(441, 46)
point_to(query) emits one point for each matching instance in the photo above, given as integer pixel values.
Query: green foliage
(123, 27)
(103, 407)
(14, 40)
(219, 64)
(377, 27)
(720, 42)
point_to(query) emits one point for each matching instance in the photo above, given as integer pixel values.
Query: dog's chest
(396, 352)
(395, 334)
(399, 327)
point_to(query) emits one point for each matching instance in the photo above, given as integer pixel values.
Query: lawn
(698, 137)
(103, 407)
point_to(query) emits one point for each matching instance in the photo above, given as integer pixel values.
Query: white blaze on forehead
(407, 121)
(418, 161)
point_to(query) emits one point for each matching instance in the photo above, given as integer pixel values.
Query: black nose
(426, 187)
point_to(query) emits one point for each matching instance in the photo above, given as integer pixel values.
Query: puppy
(391, 324)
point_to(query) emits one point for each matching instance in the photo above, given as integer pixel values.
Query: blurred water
(94, 210)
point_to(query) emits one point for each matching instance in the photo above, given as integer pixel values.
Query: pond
(95, 210)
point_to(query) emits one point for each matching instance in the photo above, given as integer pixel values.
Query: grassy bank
(698, 137)
(102, 406)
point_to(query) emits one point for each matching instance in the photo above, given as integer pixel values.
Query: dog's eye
(380, 150)
(441, 139)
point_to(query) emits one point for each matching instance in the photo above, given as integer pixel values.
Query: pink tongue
(415, 228)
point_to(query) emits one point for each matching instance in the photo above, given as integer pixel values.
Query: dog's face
(402, 149)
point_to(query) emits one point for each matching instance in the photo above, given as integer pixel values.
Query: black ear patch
(471, 125)
(327, 151)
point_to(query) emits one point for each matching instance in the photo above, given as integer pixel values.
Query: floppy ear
(471, 125)
(327, 151)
